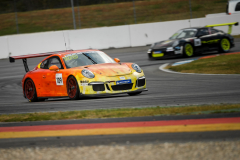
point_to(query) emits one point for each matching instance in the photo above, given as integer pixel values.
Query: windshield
(184, 33)
(86, 58)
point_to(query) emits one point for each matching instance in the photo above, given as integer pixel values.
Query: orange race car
(79, 73)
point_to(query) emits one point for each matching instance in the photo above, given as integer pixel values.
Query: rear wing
(224, 24)
(24, 57)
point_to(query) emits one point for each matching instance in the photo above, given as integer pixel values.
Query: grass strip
(123, 112)
(237, 36)
(223, 64)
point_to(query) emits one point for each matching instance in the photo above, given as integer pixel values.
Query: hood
(109, 69)
(164, 44)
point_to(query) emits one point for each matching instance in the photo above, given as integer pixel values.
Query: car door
(204, 39)
(53, 82)
(216, 37)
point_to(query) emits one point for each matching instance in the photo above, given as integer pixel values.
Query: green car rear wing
(224, 24)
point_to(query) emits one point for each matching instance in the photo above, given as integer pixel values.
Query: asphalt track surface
(164, 89)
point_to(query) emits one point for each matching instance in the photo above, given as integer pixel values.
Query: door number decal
(59, 80)
(197, 42)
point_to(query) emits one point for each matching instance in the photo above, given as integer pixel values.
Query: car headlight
(136, 68)
(87, 73)
(175, 43)
(149, 51)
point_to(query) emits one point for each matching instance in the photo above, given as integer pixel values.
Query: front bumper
(107, 94)
(165, 53)
(135, 82)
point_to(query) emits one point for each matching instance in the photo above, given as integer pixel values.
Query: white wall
(35, 43)
(98, 38)
(144, 34)
(104, 37)
(4, 52)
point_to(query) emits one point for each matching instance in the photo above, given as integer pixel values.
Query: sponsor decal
(124, 81)
(59, 80)
(122, 78)
(84, 83)
(157, 52)
(211, 41)
(70, 57)
(178, 52)
(197, 42)
(166, 42)
(75, 55)
(169, 49)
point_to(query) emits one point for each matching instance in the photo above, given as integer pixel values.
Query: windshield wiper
(89, 58)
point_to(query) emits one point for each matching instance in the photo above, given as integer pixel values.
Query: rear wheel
(30, 91)
(188, 50)
(72, 88)
(134, 93)
(224, 45)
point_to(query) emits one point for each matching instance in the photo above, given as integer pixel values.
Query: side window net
(55, 61)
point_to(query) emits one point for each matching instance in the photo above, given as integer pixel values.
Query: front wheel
(224, 45)
(72, 88)
(30, 90)
(134, 93)
(188, 50)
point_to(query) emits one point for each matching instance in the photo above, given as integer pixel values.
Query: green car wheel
(224, 45)
(188, 50)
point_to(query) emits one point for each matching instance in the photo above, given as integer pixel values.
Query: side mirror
(54, 68)
(117, 60)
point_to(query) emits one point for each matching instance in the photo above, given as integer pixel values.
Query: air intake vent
(98, 87)
(141, 82)
(122, 87)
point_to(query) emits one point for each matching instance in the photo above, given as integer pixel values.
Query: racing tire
(72, 88)
(30, 90)
(188, 50)
(133, 94)
(224, 45)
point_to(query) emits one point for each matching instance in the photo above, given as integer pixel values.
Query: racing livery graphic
(192, 41)
(79, 73)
